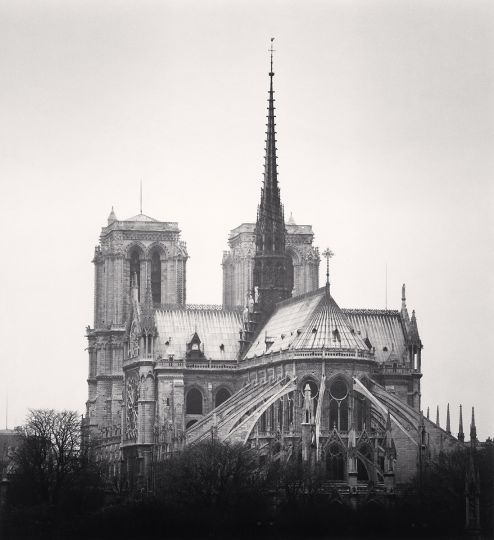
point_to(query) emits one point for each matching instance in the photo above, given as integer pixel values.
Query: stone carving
(131, 409)
(134, 339)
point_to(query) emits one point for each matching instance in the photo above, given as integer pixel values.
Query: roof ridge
(366, 311)
(198, 307)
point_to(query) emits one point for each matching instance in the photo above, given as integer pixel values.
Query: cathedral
(279, 366)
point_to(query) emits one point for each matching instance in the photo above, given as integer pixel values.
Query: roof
(309, 321)
(214, 326)
(384, 330)
(140, 217)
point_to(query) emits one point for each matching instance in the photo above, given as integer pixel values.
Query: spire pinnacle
(473, 427)
(437, 416)
(461, 435)
(448, 425)
(271, 50)
(427, 413)
(271, 275)
(328, 254)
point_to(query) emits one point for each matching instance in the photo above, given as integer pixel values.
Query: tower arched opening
(156, 277)
(135, 270)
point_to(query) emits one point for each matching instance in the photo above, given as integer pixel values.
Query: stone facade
(153, 252)
(238, 262)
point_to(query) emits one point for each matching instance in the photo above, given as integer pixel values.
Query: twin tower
(271, 260)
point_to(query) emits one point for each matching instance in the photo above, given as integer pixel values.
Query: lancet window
(338, 405)
(156, 277)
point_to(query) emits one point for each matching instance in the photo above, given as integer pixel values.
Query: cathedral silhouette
(279, 366)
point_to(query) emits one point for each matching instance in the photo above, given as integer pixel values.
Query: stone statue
(308, 413)
(256, 294)
(251, 303)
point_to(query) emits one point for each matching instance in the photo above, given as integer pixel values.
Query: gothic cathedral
(279, 366)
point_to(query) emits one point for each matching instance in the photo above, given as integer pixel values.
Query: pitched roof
(214, 326)
(141, 217)
(310, 321)
(384, 330)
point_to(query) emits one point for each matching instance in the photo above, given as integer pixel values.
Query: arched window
(156, 277)
(338, 405)
(362, 412)
(135, 270)
(221, 395)
(335, 462)
(193, 402)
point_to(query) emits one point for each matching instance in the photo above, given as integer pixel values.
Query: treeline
(217, 490)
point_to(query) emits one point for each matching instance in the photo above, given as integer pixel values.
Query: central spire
(272, 279)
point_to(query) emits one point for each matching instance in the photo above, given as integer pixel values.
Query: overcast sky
(385, 121)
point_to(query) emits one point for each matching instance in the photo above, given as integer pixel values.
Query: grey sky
(385, 121)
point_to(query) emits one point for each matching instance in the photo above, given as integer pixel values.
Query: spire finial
(328, 254)
(140, 199)
(427, 413)
(271, 50)
(437, 416)
(403, 298)
(461, 435)
(448, 425)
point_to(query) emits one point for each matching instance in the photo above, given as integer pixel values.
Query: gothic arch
(220, 396)
(194, 400)
(160, 248)
(135, 245)
(294, 254)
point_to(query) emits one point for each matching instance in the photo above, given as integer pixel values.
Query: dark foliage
(216, 490)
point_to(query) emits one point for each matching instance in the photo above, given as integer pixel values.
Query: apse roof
(310, 321)
(214, 326)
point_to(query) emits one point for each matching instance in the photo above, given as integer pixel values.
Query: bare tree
(49, 453)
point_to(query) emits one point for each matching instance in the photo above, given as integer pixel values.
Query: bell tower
(141, 253)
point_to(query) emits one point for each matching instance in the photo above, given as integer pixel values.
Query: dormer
(194, 349)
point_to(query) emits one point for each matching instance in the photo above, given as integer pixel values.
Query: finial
(388, 422)
(140, 199)
(437, 416)
(448, 425)
(427, 413)
(403, 298)
(328, 254)
(271, 50)
(461, 435)
(473, 427)
(112, 217)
